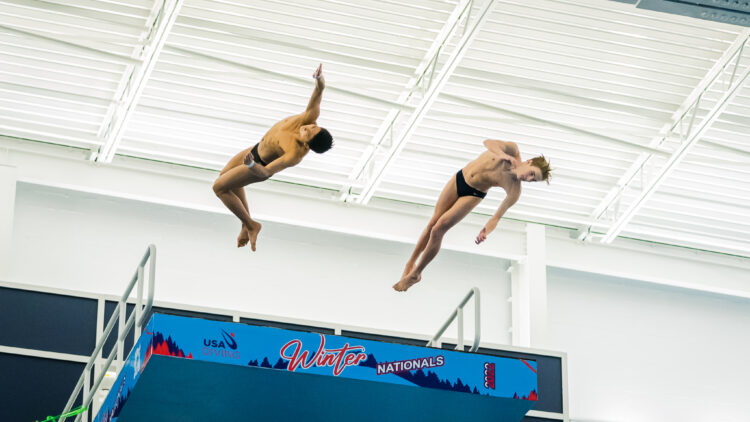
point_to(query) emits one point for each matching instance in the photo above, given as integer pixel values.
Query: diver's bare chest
(278, 139)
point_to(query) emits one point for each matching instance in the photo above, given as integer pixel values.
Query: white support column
(536, 270)
(529, 292)
(520, 313)
(7, 207)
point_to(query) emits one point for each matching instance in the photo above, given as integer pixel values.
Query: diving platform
(192, 369)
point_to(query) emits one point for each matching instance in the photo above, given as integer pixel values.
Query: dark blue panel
(109, 307)
(44, 321)
(731, 12)
(287, 326)
(387, 339)
(533, 419)
(191, 314)
(34, 388)
(185, 390)
(729, 5)
(549, 378)
(452, 346)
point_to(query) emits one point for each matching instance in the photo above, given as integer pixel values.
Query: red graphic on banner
(532, 396)
(489, 375)
(165, 347)
(527, 364)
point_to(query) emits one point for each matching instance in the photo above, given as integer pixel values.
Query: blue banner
(328, 355)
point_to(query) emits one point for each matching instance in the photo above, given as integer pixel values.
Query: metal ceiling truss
(162, 18)
(417, 85)
(377, 165)
(645, 175)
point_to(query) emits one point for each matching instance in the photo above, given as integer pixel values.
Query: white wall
(641, 352)
(92, 243)
(637, 351)
(7, 206)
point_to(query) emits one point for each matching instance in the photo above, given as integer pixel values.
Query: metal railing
(137, 317)
(459, 313)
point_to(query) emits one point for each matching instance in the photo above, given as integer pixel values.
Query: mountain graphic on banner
(532, 396)
(280, 364)
(168, 347)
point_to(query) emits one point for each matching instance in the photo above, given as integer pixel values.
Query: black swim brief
(256, 156)
(463, 188)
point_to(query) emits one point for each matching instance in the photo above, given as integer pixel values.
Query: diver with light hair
(499, 166)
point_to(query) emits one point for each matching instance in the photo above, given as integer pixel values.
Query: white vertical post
(460, 326)
(86, 389)
(99, 333)
(477, 320)
(138, 304)
(98, 361)
(7, 208)
(536, 267)
(529, 292)
(520, 319)
(120, 336)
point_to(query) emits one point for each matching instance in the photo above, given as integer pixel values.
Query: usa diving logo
(223, 347)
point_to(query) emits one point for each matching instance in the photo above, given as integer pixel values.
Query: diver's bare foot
(243, 238)
(253, 233)
(407, 281)
(409, 268)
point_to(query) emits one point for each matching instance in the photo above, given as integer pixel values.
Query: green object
(73, 412)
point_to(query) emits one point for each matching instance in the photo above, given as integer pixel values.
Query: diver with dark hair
(283, 146)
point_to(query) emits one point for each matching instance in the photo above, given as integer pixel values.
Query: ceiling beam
(422, 77)
(424, 105)
(102, 53)
(569, 128)
(163, 17)
(691, 139)
(684, 113)
(305, 81)
(727, 148)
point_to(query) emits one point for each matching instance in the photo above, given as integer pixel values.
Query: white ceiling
(595, 85)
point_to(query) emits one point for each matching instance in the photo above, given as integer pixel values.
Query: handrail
(137, 317)
(459, 313)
